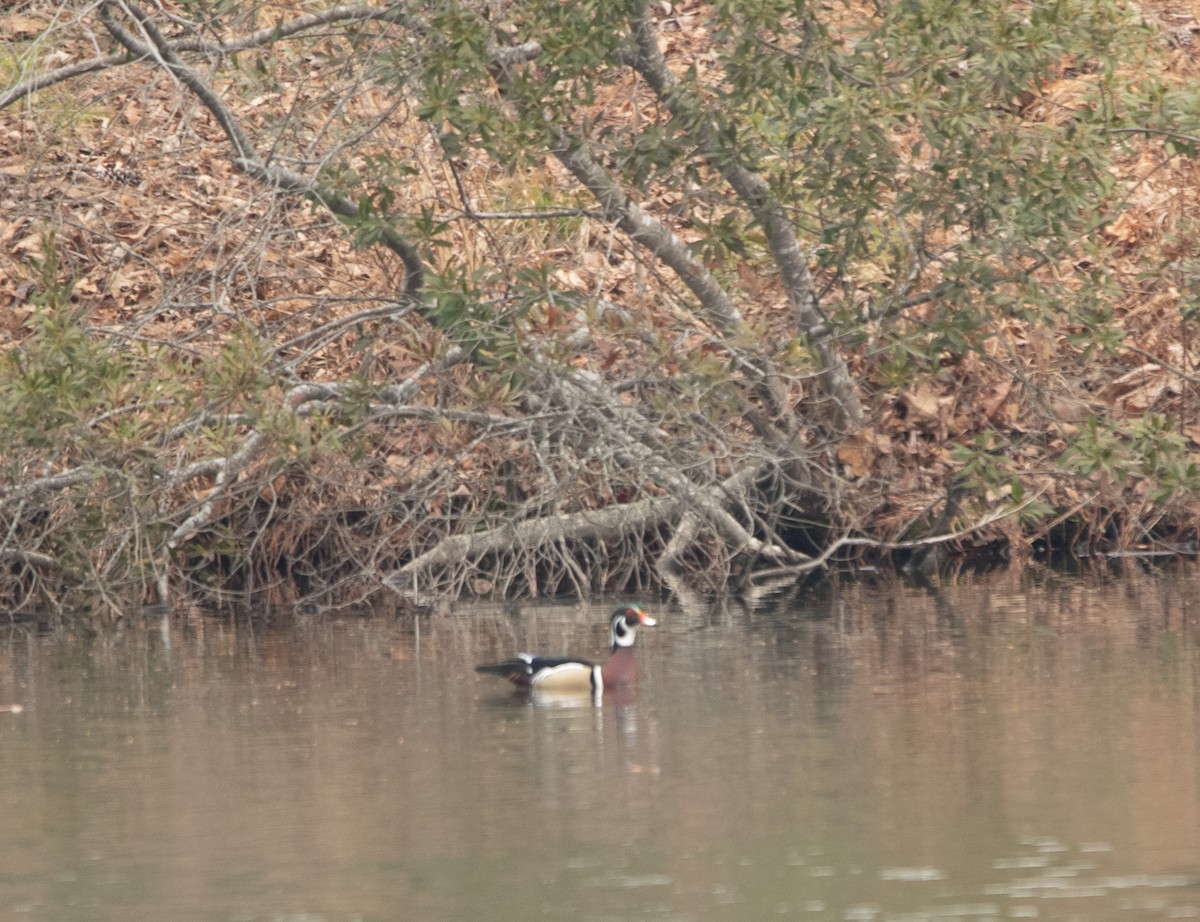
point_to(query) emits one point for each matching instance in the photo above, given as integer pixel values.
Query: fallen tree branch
(641, 453)
(30, 558)
(602, 524)
(821, 559)
(226, 470)
(633, 443)
(50, 483)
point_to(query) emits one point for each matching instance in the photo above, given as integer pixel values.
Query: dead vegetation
(244, 399)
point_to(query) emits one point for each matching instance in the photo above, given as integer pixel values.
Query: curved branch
(821, 559)
(290, 181)
(354, 13)
(227, 470)
(620, 209)
(246, 158)
(647, 59)
(70, 71)
(161, 50)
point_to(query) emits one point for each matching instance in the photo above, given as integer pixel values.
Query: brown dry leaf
(271, 491)
(1140, 389)
(569, 278)
(925, 405)
(594, 261)
(1124, 229)
(17, 28)
(131, 233)
(995, 397)
(87, 286)
(8, 230)
(30, 245)
(1068, 90)
(858, 452)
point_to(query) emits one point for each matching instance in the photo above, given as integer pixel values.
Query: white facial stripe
(620, 632)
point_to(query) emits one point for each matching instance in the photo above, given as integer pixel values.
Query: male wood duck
(551, 673)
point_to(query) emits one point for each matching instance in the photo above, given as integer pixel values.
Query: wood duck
(564, 674)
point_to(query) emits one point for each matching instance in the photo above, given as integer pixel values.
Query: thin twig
(821, 559)
(262, 37)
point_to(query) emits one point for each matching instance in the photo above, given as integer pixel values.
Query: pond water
(1020, 745)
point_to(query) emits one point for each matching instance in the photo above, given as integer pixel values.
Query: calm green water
(1003, 747)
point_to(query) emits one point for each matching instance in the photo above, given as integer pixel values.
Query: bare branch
(227, 470)
(245, 157)
(51, 483)
(291, 181)
(356, 12)
(58, 75)
(823, 558)
(602, 524)
(161, 50)
(353, 13)
(752, 189)
(718, 307)
(630, 434)
(30, 558)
